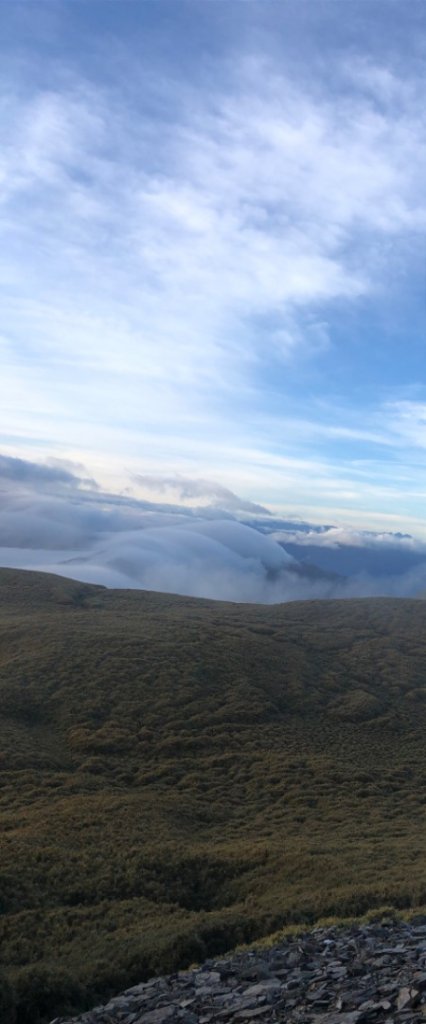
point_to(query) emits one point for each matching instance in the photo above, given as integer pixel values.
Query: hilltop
(181, 775)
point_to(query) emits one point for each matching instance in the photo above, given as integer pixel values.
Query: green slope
(177, 775)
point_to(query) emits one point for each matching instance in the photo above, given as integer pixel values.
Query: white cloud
(156, 268)
(192, 490)
(406, 421)
(343, 536)
(51, 521)
(254, 208)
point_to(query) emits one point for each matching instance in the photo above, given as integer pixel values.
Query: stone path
(367, 973)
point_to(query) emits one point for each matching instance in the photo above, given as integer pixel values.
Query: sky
(212, 253)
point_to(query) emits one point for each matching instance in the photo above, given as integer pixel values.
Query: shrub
(7, 1002)
(40, 994)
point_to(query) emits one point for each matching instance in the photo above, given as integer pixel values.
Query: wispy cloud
(266, 190)
(406, 421)
(173, 255)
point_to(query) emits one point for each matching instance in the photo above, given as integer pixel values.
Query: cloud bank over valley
(55, 518)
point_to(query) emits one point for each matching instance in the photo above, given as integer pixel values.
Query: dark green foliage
(39, 992)
(7, 1001)
(181, 776)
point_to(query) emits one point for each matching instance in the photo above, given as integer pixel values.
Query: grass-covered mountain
(180, 775)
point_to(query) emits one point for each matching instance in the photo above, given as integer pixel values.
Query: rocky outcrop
(365, 973)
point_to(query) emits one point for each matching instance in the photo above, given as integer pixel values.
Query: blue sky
(212, 254)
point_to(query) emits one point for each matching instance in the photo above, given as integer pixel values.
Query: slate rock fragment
(364, 974)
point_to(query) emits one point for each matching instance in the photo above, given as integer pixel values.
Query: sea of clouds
(54, 518)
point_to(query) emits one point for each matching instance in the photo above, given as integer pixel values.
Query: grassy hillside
(179, 775)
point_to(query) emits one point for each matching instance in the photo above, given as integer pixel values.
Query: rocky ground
(374, 972)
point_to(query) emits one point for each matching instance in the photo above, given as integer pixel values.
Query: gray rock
(163, 1013)
(407, 997)
(263, 987)
(339, 1018)
(208, 978)
(249, 1014)
(371, 974)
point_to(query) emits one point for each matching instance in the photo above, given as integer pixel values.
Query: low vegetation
(179, 776)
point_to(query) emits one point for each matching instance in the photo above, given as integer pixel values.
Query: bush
(7, 1002)
(40, 995)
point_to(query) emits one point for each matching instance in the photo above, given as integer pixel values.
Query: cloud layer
(52, 519)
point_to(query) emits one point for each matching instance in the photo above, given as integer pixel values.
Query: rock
(258, 1011)
(339, 1018)
(366, 974)
(294, 958)
(208, 978)
(371, 1008)
(263, 987)
(337, 970)
(158, 1016)
(255, 972)
(407, 997)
